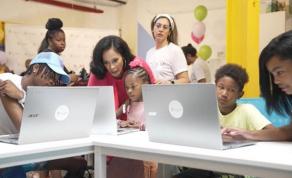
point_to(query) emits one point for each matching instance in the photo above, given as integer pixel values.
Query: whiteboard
(22, 42)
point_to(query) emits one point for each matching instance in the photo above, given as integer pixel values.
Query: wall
(33, 13)
(33, 16)
(22, 42)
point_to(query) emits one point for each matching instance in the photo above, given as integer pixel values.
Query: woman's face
(161, 30)
(282, 73)
(113, 62)
(57, 43)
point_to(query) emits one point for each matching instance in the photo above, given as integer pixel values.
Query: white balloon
(199, 29)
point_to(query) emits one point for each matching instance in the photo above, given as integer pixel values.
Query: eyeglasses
(164, 27)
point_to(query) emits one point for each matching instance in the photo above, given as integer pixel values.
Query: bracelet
(124, 108)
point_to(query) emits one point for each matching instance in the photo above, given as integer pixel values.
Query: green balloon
(200, 12)
(205, 52)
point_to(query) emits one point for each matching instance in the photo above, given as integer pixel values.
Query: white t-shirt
(166, 62)
(199, 70)
(6, 125)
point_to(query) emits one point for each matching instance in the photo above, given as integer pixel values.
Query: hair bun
(54, 24)
(189, 45)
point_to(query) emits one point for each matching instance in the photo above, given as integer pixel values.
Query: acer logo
(33, 115)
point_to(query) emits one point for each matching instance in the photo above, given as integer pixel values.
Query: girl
(55, 41)
(275, 70)
(134, 79)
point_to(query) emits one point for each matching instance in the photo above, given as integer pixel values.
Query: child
(134, 79)
(46, 69)
(230, 80)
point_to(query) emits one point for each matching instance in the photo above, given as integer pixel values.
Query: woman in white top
(166, 59)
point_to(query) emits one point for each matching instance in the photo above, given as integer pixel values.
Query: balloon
(199, 29)
(200, 12)
(205, 52)
(197, 40)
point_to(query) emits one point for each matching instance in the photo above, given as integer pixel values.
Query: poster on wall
(22, 42)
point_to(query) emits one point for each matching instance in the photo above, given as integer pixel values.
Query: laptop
(105, 120)
(56, 113)
(187, 114)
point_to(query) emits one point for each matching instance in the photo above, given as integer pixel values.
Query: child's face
(133, 86)
(227, 92)
(58, 43)
(282, 73)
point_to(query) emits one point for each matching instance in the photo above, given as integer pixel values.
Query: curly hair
(236, 72)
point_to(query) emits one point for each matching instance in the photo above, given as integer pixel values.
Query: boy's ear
(35, 68)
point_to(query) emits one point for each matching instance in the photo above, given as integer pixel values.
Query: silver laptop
(105, 120)
(56, 113)
(187, 114)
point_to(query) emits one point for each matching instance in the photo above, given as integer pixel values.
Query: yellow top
(244, 116)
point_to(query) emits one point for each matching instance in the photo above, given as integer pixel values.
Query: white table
(265, 159)
(12, 155)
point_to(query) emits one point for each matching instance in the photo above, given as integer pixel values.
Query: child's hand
(134, 124)
(123, 124)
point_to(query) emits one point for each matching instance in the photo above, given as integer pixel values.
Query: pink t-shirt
(135, 112)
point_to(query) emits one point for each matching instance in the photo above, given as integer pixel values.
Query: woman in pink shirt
(111, 58)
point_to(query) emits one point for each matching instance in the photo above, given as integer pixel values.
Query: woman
(166, 59)
(55, 41)
(111, 58)
(275, 70)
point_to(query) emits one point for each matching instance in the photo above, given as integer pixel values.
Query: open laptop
(56, 113)
(105, 120)
(187, 114)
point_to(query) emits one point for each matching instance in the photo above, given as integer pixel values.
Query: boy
(230, 80)
(46, 69)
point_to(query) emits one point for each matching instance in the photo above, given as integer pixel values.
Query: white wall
(271, 25)
(33, 16)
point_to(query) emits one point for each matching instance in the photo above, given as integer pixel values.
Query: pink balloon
(197, 40)
(199, 29)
